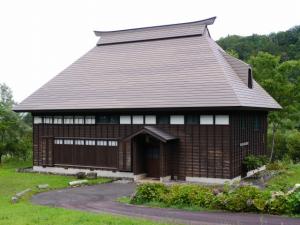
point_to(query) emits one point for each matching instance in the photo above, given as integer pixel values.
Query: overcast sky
(39, 38)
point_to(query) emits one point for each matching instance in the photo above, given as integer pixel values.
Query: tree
(274, 77)
(15, 134)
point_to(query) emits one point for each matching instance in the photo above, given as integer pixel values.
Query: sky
(40, 38)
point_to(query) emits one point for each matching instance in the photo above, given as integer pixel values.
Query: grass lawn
(287, 179)
(25, 213)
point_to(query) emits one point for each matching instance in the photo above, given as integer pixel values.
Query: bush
(189, 195)
(238, 199)
(149, 193)
(253, 162)
(244, 199)
(294, 202)
(278, 165)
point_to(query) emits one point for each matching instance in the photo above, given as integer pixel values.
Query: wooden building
(164, 102)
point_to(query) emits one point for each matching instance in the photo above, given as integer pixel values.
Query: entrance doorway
(148, 155)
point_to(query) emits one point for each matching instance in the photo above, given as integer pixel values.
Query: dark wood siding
(247, 138)
(200, 151)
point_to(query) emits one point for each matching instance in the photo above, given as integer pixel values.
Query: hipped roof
(173, 66)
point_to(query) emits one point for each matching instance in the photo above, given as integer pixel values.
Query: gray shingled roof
(151, 68)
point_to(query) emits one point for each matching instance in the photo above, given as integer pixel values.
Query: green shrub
(189, 195)
(149, 193)
(253, 162)
(279, 204)
(277, 165)
(293, 201)
(244, 199)
(238, 199)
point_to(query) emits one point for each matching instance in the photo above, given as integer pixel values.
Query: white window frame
(48, 120)
(206, 119)
(68, 142)
(102, 142)
(112, 143)
(177, 119)
(58, 141)
(37, 120)
(78, 142)
(125, 119)
(137, 119)
(68, 120)
(150, 119)
(90, 142)
(79, 120)
(222, 119)
(90, 120)
(57, 120)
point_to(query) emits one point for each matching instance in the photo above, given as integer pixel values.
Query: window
(192, 119)
(79, 142)
(206, 119)
(68, 120)
(163, 119)
(37, 120)
(58, 141)
(79, 120)
(257, 123)
(112, 143)
(48, 120)
(102, 143)
(150, 119)
(68, 141)
(90, 142)
(125, 119)
(90, 120)
(177, 119)
(222, 120)
(250, 78)
(57, 120)
(137, 120)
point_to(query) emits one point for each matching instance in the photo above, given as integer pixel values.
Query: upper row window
(65, 120)
(137, 119)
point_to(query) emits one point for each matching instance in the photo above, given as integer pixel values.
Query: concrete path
(101, 198)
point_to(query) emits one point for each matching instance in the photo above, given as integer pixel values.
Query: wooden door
(152, 161)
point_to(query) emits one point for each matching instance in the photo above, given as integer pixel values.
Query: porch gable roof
(155, 132)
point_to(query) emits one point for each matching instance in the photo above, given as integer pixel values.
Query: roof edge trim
(208, 21)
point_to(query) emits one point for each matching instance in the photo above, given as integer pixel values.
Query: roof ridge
(211, 42)
(208, 21)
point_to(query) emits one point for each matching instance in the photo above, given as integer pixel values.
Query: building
(164, 102)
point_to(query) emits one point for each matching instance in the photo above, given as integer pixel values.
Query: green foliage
(149, 193)
(276, 165)
(286, 179)
(253, 162)
(189, 195)
(294, 202)
(15, 134)
(284, 44)
(231, 198)
(244, 199)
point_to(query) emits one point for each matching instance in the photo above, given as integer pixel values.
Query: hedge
(231, 198)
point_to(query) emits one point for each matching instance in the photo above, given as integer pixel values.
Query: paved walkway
(101, 198)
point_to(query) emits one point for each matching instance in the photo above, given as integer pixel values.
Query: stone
(81, 175)
(14, 199)
(91, 175)
(43, 186)
(20, 194)
(78, 182)
(123, 181)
